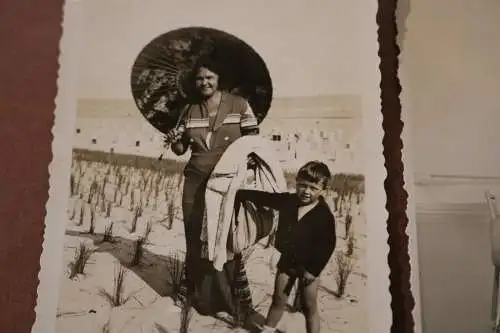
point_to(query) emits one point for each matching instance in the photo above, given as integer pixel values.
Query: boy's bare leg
(280, 300)
(310, 305)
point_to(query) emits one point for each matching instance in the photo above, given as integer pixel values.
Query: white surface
(451, 73)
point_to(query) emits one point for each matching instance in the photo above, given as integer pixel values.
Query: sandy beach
(146, 243)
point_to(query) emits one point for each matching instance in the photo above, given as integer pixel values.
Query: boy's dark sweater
(310, 242)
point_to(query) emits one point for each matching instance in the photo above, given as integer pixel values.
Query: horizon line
(275, 96)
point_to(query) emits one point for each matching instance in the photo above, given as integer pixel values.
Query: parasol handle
(181, 117)
(168, 136)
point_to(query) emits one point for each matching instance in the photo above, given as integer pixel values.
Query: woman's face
(207, 82)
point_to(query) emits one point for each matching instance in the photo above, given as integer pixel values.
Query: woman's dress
(212, 291)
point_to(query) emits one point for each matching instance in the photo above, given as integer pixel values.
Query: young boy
(305, 237)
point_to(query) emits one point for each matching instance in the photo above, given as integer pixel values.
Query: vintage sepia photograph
(221, 171)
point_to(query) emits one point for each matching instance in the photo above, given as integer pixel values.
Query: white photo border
(380, 314)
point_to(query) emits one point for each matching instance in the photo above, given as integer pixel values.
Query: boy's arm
(269, 199)
(322, 251)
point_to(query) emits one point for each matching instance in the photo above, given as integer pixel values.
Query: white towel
(229, 175)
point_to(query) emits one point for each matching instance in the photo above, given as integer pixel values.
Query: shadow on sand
(160, 272)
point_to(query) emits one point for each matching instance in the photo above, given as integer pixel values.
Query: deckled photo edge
(59, 173)
(375, 171)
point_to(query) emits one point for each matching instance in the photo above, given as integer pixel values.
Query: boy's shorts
(287, 265)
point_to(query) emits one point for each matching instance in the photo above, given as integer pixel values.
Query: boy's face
(308, 192)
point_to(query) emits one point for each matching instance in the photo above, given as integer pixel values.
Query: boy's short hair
(315, 171)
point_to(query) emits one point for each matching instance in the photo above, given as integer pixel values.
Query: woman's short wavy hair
(213, 64)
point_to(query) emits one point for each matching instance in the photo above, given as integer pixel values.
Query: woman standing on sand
(214, 121)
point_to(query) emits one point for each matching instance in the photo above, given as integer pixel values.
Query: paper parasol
(161, 79)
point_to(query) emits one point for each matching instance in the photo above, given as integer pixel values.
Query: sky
(310, 47)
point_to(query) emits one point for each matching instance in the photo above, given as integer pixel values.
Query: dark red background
(29, 45)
